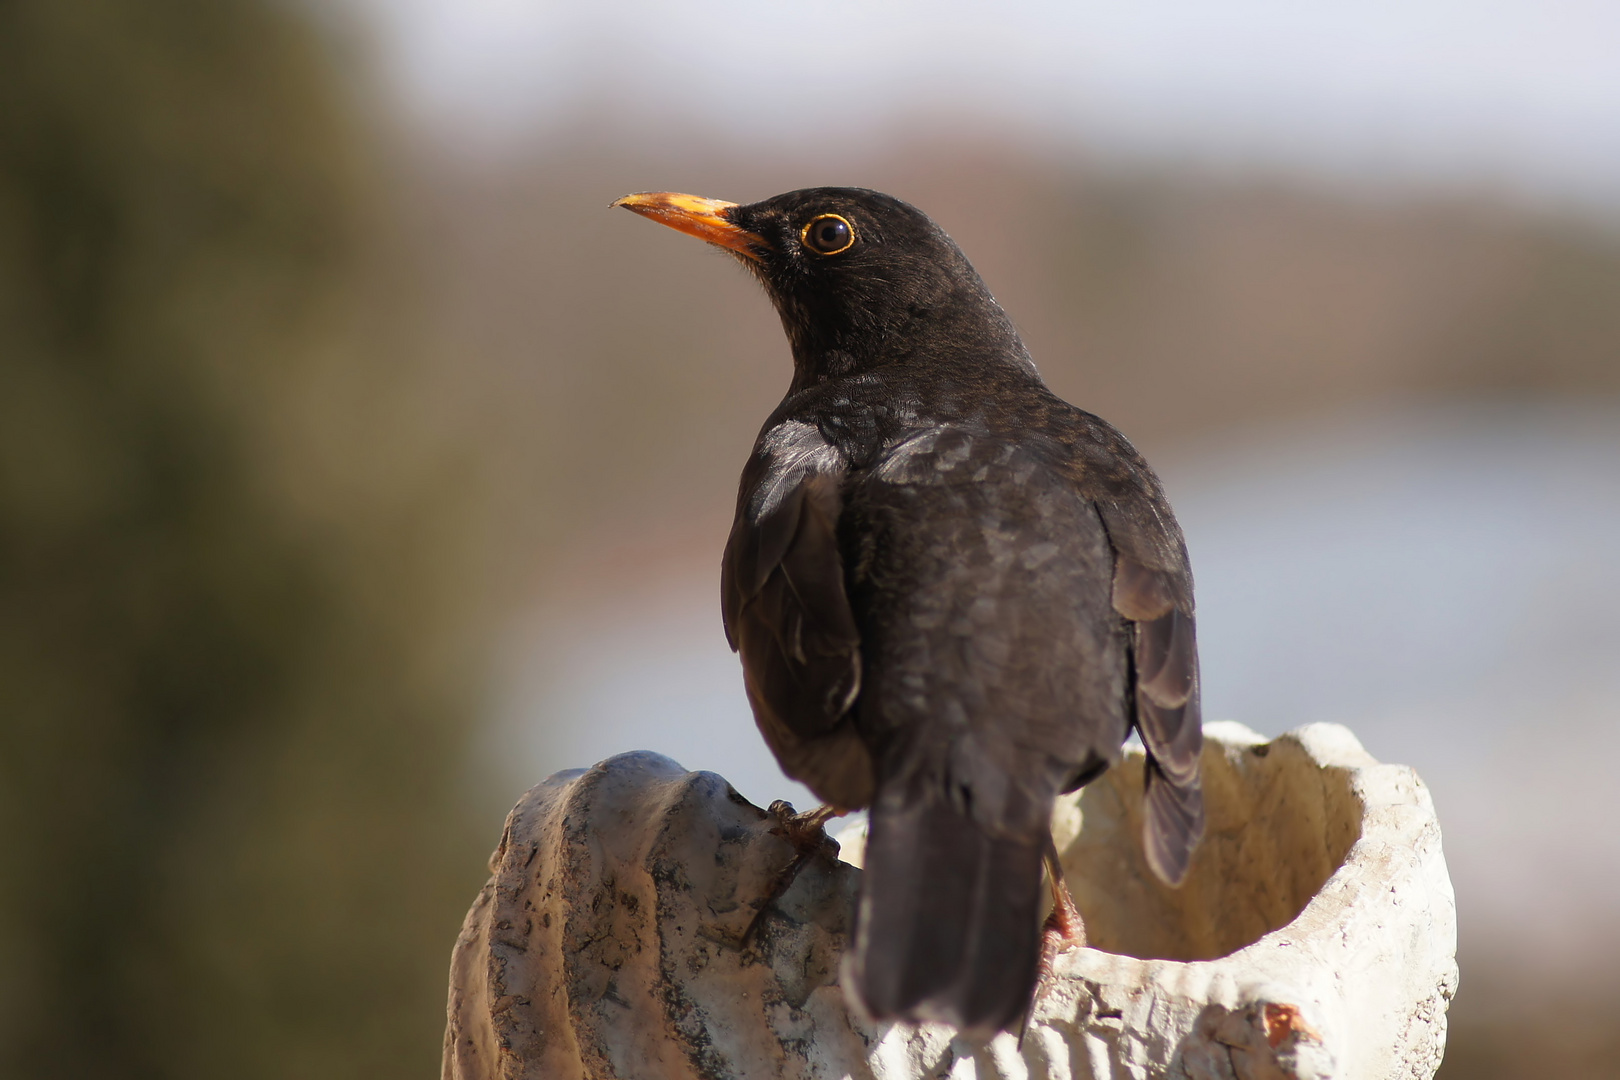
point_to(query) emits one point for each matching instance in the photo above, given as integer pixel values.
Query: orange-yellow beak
(703, 218)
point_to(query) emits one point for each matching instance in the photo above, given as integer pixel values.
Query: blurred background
(358, 468)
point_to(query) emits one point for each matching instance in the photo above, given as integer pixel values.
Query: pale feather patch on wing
(782, 585)
(768, 522)
(1140, 594)
(794, 451)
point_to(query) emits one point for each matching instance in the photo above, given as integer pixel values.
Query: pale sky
(1523, 92)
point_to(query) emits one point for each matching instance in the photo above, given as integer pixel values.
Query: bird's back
(979, 577)
(980, 581)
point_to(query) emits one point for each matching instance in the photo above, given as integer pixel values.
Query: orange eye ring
(828, 234)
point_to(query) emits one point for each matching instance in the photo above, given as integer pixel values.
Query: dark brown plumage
(953, 593)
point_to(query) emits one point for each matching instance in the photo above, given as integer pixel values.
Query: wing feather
(788, 615)
(1168, 715)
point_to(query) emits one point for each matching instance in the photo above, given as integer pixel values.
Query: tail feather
(949, 925)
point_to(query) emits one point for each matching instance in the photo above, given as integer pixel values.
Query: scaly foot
(806, 832)
(1063, 930)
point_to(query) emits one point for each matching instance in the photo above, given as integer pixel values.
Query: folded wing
(788, 616)
(1153, 590)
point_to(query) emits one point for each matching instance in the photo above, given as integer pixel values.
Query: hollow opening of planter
(1279, 825)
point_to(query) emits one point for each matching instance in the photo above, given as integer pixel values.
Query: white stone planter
(1314, 938)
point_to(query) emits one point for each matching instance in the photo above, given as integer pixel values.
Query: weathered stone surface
(1314, 938)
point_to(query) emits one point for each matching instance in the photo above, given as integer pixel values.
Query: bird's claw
(806, 833)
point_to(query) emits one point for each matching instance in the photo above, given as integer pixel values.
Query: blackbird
(954, 594)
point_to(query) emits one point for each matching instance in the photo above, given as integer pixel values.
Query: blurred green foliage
(231, 836)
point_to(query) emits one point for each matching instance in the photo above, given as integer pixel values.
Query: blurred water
(1444, 581)
(1447, 583)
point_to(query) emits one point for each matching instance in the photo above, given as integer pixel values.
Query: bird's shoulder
(1015, 443)
(789, 451)
(1129, 497)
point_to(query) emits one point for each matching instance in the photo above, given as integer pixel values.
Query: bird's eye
(828, 234)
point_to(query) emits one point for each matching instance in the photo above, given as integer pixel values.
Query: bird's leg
(1062, 930)
(805, 832)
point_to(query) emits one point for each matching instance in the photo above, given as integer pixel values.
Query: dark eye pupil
(830, 234)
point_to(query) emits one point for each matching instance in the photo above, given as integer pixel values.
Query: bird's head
(861, 279)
